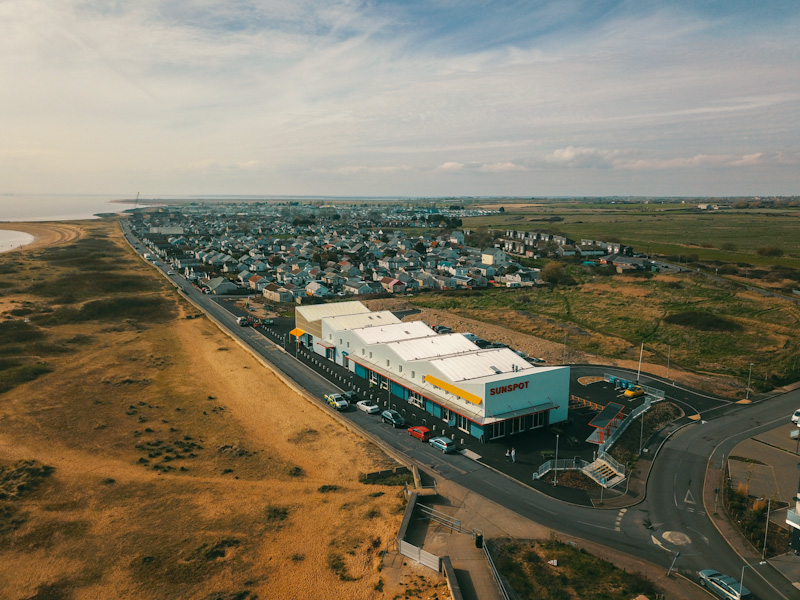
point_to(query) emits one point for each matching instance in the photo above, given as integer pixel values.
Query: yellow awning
(297, 332)
(449, 387)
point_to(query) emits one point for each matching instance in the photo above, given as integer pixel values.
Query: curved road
(671, 519)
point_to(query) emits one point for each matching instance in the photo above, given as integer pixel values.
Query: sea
(23, 207)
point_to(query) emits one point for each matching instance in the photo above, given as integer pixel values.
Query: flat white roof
(386, 334)
(361, 320)
(430, 347)
(315, 312)
(495, 363)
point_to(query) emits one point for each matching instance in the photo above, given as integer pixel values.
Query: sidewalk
(472, 570)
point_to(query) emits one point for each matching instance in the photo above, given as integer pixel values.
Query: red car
(421, 433)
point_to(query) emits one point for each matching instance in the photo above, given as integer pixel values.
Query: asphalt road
(672, 517)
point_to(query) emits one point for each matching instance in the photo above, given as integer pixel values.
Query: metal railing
(496, 573)
(562, 464)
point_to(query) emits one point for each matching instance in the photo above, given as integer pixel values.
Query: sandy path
(45, 234)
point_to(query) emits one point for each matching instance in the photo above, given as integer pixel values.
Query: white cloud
(301, 92)
(572, 156)
(451, 166)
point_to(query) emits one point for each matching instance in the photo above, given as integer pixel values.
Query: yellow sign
(449, 387)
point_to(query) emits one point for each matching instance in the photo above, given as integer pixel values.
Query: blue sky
(427, 98)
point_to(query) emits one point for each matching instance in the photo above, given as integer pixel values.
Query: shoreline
(43, 234)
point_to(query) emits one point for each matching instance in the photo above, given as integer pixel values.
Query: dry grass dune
(181, 468)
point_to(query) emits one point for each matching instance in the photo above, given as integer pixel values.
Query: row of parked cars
(395, 419)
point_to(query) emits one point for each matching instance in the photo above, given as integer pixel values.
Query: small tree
(552, 272)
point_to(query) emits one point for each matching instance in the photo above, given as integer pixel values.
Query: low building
(488, 394)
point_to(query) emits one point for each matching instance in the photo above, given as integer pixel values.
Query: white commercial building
(488, 394)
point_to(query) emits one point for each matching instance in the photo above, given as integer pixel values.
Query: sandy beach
(45, 234)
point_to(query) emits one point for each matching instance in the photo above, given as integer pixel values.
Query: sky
(400, 98)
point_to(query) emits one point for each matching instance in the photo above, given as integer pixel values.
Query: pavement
(768, 465)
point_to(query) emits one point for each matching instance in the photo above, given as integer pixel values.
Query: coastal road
(671, 519)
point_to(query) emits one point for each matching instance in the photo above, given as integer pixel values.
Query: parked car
(481, 343)
(723, 586)
(498, 345)
(444, 444)
(796, 416)
(393, 417)
(420, 432)
(350, 396)
(536, 361)
(470, 336)
(633, 392)
(170, 272)
(337, 401)
(368, 406)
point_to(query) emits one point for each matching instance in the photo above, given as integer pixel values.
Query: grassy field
(144, 455)
(667, 229)
(700, 325)
(577, 574)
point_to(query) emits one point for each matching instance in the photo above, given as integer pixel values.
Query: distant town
(305, 252)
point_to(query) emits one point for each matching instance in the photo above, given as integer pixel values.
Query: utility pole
(749, 373)
(565, 349)
(641, 352)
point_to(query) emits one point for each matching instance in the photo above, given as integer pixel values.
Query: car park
(796, 417)
(420, 432)
(393, 417)
(337, 401)
(723, 586)
(633, 392)
(368, 406)
(444, 444)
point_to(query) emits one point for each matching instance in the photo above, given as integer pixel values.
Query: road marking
(677, 537)
(689, 499)
(598, 526)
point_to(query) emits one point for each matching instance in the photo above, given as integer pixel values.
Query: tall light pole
(749, 373)
(766, 530)
(555, 477)
(565, 349)
(641, 352)
(741, 579)
(669, 353)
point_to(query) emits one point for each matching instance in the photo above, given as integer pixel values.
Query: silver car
(444, 444)
(723, 586)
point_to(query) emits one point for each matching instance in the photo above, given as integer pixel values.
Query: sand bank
(45, 234)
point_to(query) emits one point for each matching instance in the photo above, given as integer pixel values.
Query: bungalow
(393, 286)
(276, 293)
(220, 285)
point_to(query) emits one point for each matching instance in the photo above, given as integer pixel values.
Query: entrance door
(445, 414)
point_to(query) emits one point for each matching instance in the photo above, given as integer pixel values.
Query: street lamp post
(749, 373)
(741, 579)
(766, 530)
(555, 477)
(669, 353)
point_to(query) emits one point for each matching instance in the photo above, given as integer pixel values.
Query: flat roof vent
(495, 369)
